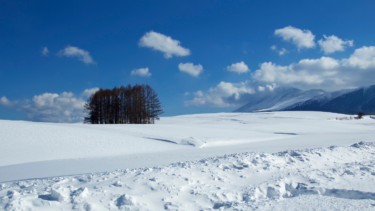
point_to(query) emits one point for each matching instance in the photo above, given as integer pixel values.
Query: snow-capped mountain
(280, 98)
(344, 101)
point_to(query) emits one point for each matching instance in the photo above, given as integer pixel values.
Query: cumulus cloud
(141, 72)
(362, 58)
(51, 107)
(223, 95)
(163, 43)
(307, 71)
(45, 51)
(88, 92)
(81, 54)
(301, 38)
(280, 52)
(5, 102)
(190, 68)
(325, 72)
(239, 67)
(332, 44)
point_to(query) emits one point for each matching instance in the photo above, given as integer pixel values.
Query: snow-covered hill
(344, 101)
(279, 99)
(347, 101)
(230, 161)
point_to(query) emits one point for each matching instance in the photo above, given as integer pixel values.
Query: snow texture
(333, 178)
(226, 161)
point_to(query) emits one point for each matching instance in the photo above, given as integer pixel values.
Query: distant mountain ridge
(344, 101)
(347, 101)
(280, 98)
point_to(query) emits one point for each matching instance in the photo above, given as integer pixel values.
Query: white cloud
(305, 72)
(301, 38)
(362, 58)
(5, 102)
(332, 44)
(271, 87)
(187, 93)
(141, 72)
(280, 52)
(239, 67)
(198, 93)
(88, 92)
(191, 69)
(45, 51)
(325, 73)
(81, 54)
(51, 107)
(223, 95)
(163, 43)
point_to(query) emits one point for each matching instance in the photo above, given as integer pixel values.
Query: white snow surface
(224, 161)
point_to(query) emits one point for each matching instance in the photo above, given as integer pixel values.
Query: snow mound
(125, 200)
(192, 141)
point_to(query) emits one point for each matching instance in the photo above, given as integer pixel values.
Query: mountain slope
(344, 101)
(281, 98)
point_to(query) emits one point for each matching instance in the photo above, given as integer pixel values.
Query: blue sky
(199, 56)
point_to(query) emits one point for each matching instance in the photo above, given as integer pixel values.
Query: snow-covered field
(233, 161)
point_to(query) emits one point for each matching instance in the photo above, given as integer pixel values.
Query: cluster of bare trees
(125, 105)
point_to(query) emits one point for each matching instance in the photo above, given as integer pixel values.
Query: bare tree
(125, 105)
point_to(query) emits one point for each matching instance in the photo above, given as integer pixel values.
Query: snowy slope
(344, 101)
(281, 98)
(319, 100)
(35, 150)
(51, 149)
(221, 161)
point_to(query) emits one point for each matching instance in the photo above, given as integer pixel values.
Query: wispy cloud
(45, 51)
(280, 52)
(81, 54)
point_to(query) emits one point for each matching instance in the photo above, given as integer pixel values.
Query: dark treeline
(125, 105)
